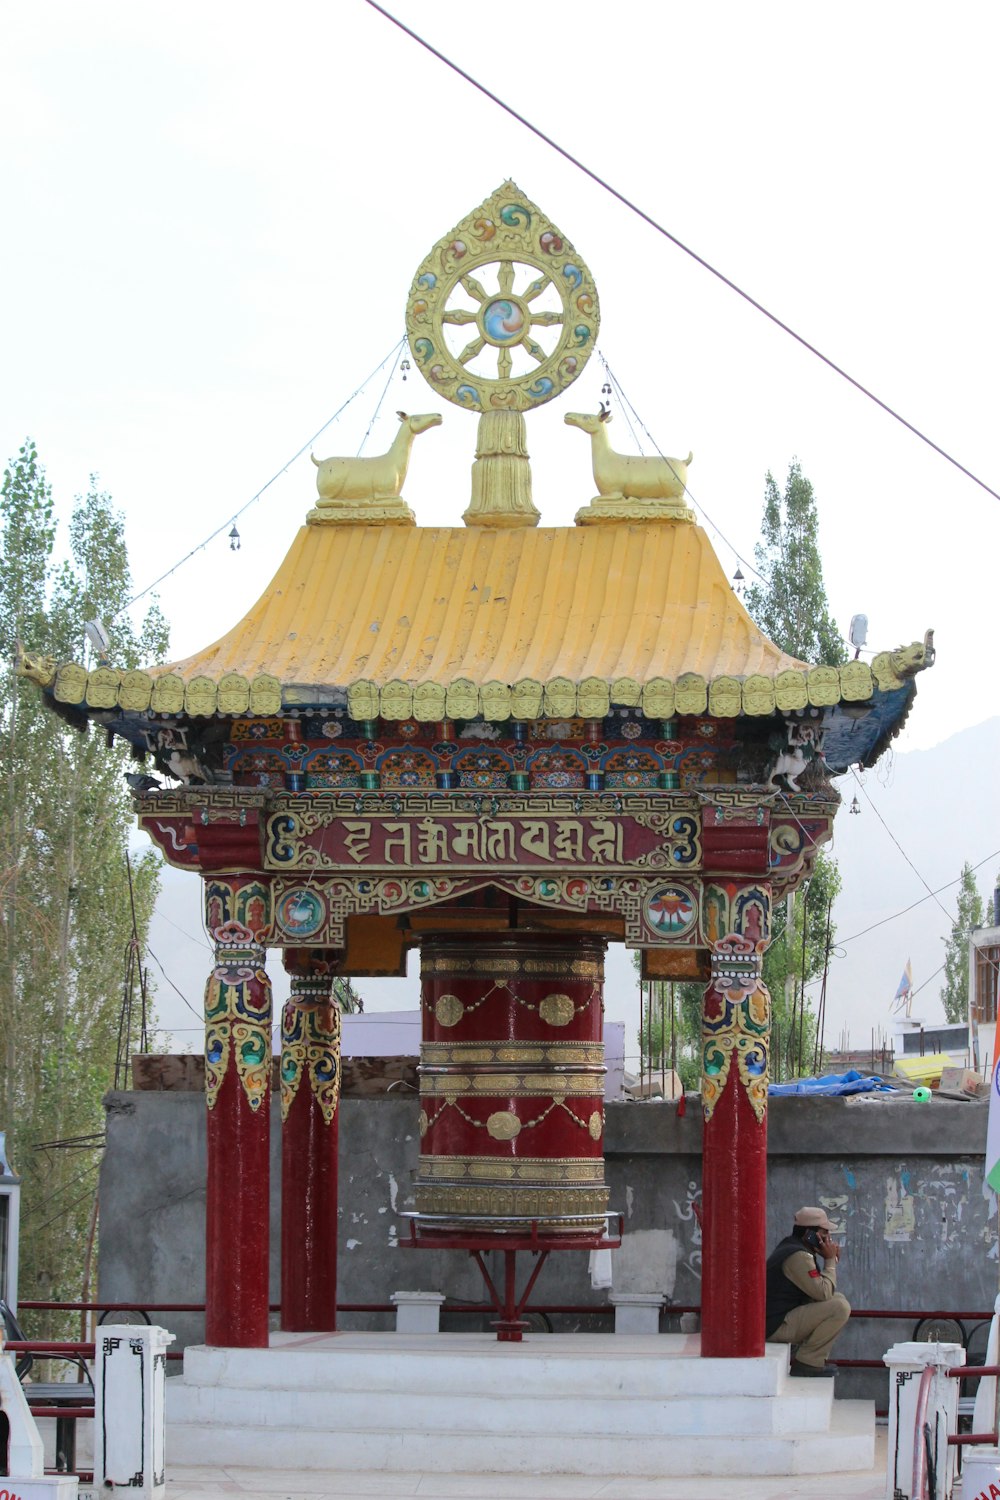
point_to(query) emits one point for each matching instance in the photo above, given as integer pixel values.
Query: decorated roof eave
(442, 623)
(866, 707)
(104, 688)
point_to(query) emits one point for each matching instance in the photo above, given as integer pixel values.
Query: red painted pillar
(736, 1024)
(238, 1095)
(310, 1093)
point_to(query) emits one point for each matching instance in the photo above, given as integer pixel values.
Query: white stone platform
(585, 1404)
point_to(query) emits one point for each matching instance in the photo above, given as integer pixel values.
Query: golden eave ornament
(503, 313)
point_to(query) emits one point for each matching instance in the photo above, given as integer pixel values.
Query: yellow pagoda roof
(435, 622)
(436, 604)
(499, 618)
(452, 622)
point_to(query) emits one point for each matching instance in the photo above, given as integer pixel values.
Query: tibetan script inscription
(311, 838)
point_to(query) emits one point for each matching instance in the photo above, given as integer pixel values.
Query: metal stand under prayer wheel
(238, 1095)
(310, 1093)
(512, 1095)
(736, 1024)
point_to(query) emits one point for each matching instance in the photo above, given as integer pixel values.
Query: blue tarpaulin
(851, 1082)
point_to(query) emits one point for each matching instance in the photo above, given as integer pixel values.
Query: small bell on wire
(739, 582)
(855, 808)
(606, 389)
(234, 539)
(405, 366)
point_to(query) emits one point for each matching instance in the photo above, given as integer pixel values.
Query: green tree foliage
(65, 911)
(789, 603)
(955, 990)
(791, 969)
(670, 1033)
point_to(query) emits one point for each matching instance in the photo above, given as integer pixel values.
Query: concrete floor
(220, 1484)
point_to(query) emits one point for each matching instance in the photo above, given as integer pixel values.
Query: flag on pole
(992, 1183)
(904, 992)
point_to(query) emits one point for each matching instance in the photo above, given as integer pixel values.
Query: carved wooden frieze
(556, 834)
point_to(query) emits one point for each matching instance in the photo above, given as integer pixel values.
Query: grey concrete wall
(901, 1181)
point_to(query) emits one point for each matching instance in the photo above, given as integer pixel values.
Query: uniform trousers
(813, 1326)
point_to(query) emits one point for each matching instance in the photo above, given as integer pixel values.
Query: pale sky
(213, 214)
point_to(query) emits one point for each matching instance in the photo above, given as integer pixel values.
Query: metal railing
(571, 1309)
(923, 1480)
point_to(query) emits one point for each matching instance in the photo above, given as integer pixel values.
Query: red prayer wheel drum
(512, 1084)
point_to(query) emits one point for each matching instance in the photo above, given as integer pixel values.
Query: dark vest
(781, 1294)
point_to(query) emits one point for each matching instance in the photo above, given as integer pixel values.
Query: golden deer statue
(631, 487)
(367, 490)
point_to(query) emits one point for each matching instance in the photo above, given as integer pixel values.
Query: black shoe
(798, 1369)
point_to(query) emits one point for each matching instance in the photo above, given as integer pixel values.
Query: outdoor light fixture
(859, 633)
(97, 635)
(234, 539)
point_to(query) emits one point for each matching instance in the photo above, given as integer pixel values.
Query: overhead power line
(661, 229)
(895, 840)
(173, 986)
(914, 904)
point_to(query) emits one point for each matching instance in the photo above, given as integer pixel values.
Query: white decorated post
(129, 1375)
(27, 1479)
(907, 1363)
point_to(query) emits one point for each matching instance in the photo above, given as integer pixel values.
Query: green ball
(922, 1095)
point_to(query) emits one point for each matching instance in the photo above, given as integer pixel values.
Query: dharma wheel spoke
(536, 352)
(504, 364)
(537, 288)
(546, 319)
(505, 277)
(458, 315)
(473, 288)
(471, 350)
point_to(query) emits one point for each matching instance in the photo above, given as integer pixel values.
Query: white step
(847, 1447)
(603, 1364)
(418, 1411)
(572, 1404)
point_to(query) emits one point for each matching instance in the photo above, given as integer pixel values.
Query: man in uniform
(804, 1307)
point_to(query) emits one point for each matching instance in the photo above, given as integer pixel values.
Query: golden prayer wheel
(512, 1085)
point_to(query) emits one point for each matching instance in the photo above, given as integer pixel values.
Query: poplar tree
(65, 901)
(789, 602)
(790, 605)
(955, 990)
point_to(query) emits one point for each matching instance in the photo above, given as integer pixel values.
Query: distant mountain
(943, 807)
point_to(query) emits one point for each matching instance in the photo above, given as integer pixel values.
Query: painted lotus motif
(670, 910)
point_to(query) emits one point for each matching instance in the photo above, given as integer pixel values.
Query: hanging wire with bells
(393, 355)
(234, 539)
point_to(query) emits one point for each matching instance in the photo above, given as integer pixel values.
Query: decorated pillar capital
(310, 1032)
(736, 1014)
(238, 915)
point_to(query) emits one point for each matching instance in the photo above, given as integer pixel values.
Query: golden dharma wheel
(502, 313)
